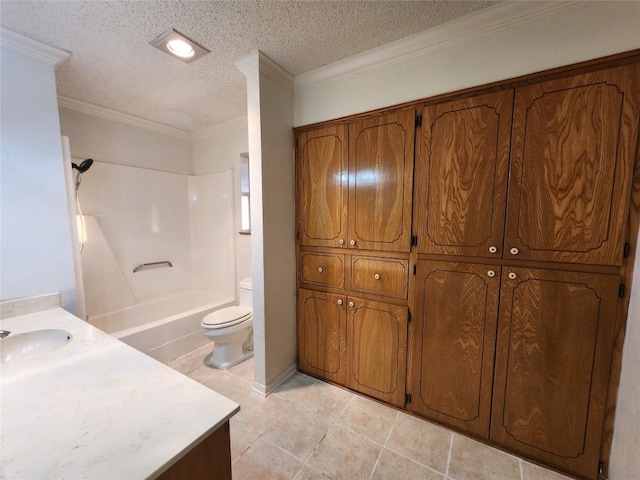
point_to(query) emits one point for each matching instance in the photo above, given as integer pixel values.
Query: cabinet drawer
(381, 276)
(322, 269)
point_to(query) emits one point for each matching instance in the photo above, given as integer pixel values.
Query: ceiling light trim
(109, 114)
(458, 30)
(33, 48)
(162, 41)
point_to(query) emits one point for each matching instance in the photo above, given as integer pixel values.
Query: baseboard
(265, 390)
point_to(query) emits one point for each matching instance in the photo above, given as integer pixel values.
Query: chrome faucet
(4, 333)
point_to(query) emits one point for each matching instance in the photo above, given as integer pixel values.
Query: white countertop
(97, 408)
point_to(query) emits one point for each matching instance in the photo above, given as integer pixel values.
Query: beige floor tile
(534, 472)
(393, 466)
(222, 382)
(326, 400)
(308, 473)
(185, 364)
(344, 455)
(368, 418)
(244, 371)
(258, 413)
(298, 432)
(265, 461)
(241, 439)
(471, 460)
(208, 376)
(294, 389)
(421, 441)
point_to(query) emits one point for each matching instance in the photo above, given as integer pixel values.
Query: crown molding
(463, 29)
(109, 114)
(258, 62)
(33, 48)
(215, 130)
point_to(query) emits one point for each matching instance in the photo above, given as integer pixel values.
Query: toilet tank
(245, 293)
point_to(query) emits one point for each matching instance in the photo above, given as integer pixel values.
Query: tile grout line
(446, 473)
(414, 461)
(375, 465)
(521, 472)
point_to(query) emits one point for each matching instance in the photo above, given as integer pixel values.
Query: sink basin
(22, 346)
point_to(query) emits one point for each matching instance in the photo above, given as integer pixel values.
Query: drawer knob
(491, 273)
(514, 251)
(377, 276)
(341, 241)
(512, 275)
(351, 304)
(320, 269)
(339, 302)
(493, 249)
(352, 242)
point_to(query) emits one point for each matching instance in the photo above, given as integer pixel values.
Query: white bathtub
(165, 328)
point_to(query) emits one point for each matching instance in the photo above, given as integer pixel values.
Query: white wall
(117, 142)
(495, 44)
(36, 235)
(220, 151)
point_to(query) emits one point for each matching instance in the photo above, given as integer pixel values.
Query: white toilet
(231, 329)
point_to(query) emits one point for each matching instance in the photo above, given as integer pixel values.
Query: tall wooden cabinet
(498, 316)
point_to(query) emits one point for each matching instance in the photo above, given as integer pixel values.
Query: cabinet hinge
(415, 269)
(418, 121)
(621, 290)
(414, 240)
(297, 235)
(627, 249)
(601, 470)
(408, 315)
(407, 398)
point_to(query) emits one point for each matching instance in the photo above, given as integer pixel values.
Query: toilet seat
(226, 317)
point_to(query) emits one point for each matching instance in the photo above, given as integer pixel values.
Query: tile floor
(308, 430)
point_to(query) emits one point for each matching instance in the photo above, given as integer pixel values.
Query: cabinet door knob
(341, 241)
(514, 251)
(491, 273)
(377, 276)
(320, 269)
(493, 249)
(339, 302)
(351, 304)
(512, 275)
(352, 242)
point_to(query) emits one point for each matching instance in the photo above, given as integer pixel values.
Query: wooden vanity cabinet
(555, 338)
(454, 338)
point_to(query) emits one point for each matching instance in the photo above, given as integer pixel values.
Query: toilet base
(226, 363)
(226, 355)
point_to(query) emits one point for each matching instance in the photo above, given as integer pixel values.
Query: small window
(245, 211)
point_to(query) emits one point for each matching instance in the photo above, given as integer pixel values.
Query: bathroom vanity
(77, 403)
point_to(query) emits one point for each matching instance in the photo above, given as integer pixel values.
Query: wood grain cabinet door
(322, 329)
(553, 357)
(461, 176)
(325, 269)
(455, 318)
(381, 182)
(321, 186)
(377, 349)
(380, 276)
(572, 158)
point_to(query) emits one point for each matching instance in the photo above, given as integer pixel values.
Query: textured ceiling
(114, 66)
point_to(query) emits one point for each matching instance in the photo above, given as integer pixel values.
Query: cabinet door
(572, 158)
(454, 343)
(377, 349)
(553, 358)
(322, 328)
(461, 176)
(321, 183)
(381, 182)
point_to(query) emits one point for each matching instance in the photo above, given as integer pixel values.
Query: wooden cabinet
(381, 276)
(454, 343)
(552, 365)
(377, 346)
(461, 175)
(573, 147)
(322, 332)
(324, 269)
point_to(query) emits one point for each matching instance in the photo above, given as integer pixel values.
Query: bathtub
(165, 328)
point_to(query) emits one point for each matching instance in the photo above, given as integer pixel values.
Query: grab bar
(142, 266)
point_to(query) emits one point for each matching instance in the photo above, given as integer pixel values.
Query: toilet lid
(226, 317)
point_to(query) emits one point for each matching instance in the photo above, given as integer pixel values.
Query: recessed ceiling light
(179, 46)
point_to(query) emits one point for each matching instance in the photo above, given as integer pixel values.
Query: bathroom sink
(21, 346)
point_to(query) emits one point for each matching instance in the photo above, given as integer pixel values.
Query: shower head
(84, 166)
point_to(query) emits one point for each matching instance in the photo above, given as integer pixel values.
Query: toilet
(231, 330)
